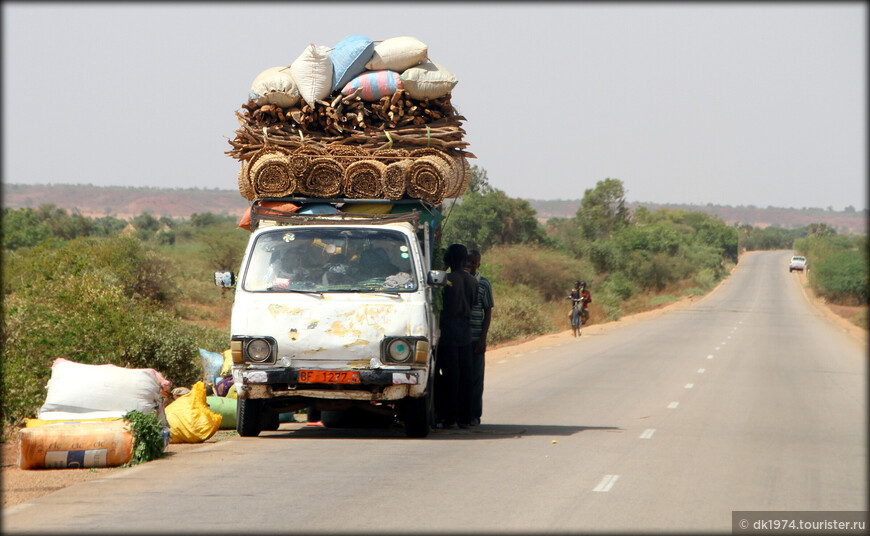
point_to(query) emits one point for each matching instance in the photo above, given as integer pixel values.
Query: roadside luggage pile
(81, 423)
(109, 416)
(358, 120)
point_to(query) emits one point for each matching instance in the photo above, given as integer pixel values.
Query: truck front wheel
(419, 414)
(271, 421)
(248, 417)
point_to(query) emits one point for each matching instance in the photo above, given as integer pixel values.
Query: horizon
(569, 200)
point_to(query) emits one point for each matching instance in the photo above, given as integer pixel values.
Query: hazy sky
(731, 103)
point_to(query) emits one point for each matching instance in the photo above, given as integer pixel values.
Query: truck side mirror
(437, 278)
(225, 279)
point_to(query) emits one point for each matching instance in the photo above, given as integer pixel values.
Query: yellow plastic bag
(367, 208)
(228, 362)
(190, 419)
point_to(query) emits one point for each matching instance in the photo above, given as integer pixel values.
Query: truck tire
(334, 418)
(248, 417)
(271, 421)
(419, 413)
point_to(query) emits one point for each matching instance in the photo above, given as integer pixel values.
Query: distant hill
(851, 221)
(127, 202)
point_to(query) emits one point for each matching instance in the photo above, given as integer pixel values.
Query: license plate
(328, 376)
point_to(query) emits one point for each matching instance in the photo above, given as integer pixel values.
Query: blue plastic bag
(349, 58)
(212, 362)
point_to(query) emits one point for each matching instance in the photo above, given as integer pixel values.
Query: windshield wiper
(391, 294)
(319, 293)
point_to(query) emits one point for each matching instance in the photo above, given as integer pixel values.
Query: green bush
(517, 314)
(837, 266)
(706, 279)
(122, 261)
(89, 321)
(604, 254)
(619, 286)
(548, 271)
(841, 277)
(610, 304)
(90, 301)
(655, 270)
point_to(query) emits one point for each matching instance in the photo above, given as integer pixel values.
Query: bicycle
(579, 315)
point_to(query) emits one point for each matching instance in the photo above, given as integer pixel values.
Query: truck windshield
(330, 260)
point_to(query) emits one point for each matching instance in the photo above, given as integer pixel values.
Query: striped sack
(374, 84)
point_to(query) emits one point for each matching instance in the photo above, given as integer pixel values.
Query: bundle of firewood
(394, 121)
(351, 112)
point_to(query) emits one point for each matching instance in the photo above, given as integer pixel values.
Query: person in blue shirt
(481, 315)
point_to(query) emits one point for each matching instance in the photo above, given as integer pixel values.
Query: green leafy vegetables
(147, 433)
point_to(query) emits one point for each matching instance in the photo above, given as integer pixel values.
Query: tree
(23, 228)
(565, 235)
(820, 229)
(479, 181)
(602, 209)
(208, 219)
(486, 216)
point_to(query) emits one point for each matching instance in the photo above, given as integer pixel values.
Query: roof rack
(260, 213)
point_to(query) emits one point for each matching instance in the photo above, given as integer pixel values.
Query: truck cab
(333, 310)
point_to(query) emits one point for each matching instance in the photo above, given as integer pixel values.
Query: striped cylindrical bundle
(374, 84)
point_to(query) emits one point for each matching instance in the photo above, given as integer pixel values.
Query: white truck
(333, 311)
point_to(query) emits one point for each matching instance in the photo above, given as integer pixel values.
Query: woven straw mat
(323, 178)
(364, 179)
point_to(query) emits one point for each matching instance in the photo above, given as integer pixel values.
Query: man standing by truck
(454, 345)
(481, 314)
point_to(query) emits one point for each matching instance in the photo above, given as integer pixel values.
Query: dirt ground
(19, 486)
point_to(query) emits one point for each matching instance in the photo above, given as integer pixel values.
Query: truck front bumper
(375, 385)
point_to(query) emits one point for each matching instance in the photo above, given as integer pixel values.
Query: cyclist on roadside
(581, 298)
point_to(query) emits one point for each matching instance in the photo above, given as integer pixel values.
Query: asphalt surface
(749, 399)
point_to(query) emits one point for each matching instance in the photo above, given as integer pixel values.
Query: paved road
(747, 400)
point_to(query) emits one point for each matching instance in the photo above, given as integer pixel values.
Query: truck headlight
(398, 350)
(403, 350)
(258, 350)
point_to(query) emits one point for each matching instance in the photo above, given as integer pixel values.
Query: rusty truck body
(333, 311)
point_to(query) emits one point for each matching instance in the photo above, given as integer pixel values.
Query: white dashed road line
(606, 483)
(648, 433)
(690, 385)
(673, 405)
